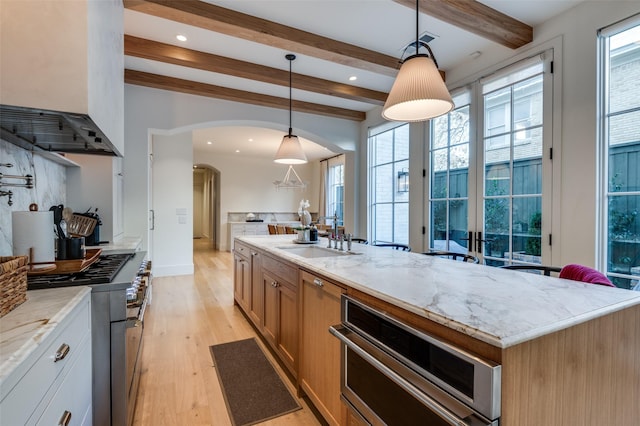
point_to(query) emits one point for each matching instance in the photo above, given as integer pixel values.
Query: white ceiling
(383, 26)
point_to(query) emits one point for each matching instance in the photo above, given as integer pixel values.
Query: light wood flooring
(178, 384)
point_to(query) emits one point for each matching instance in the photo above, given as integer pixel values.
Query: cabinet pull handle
(61, 353)
(318, 282)
(253, 253)
(65, 419)
(274, 284)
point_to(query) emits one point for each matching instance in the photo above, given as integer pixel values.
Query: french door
(490, 168)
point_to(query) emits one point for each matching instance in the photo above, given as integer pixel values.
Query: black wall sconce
(403, 180)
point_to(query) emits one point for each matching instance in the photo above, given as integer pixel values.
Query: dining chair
(454, 256)
(536, 269)
(280, 229)
(359, 240)
(272, 229)
(289, 230)
(585, 274)
(395, 246)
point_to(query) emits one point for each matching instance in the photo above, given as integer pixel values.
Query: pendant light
(419, 93)
(290, 151)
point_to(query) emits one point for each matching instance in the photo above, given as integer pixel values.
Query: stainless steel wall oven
(393, 374)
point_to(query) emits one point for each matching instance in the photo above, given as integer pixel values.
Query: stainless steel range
(121, 290)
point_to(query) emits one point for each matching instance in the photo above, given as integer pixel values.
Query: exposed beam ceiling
(477, 18)
(148, 49)
(202, 89)
(469, 15)
(236, 24)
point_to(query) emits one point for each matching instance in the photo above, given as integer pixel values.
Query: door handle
(469, 239)
(479, 242)
(153, 220)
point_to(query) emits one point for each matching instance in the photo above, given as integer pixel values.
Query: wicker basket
(13, 282)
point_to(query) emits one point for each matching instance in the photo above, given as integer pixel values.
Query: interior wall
(149, 111)
(173, 205)
(246, 185)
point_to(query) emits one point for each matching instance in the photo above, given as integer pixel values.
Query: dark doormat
(252, 389)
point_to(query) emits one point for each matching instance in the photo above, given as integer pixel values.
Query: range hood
(45, 130)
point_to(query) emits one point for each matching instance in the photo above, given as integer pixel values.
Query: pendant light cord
(417, 24)
(290, 57)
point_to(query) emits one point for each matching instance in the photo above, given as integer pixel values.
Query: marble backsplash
(49, 189)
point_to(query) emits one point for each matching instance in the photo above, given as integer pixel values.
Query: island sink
(315, 251)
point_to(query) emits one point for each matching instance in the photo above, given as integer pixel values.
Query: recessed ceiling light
(250, 140)
(353, 78)
(209, 142)
(237, 150)
(181, 37)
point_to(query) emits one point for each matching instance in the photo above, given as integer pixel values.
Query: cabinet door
(288, 337)
(256, 298)
(320, 354)
(271, 308)
(241, 281)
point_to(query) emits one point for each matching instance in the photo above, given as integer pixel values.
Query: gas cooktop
(101, 272)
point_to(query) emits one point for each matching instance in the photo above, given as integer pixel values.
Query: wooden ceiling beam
(477, 18)
(202, 89)
(237, 24)
(156, 51)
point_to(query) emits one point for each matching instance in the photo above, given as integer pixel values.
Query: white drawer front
(23, 399)
(74, 394)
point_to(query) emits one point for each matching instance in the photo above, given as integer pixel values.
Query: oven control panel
(139, 293)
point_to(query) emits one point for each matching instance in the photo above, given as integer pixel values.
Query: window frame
(604, 146)
(372, 166)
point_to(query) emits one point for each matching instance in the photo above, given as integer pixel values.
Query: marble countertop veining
(498, 306)
(23, 329)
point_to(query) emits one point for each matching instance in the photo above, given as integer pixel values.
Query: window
(335, 194)
(620, 142)
(448, 195)
(512, 189)
(389, 199)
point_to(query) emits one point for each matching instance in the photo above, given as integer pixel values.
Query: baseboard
(171, 270)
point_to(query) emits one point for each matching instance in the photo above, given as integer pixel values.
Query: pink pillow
(584, 274)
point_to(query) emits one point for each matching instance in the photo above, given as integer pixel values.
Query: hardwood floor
(178, 384)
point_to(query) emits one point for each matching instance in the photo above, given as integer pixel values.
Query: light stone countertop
(23, 329)
(123, 244)
(498, 306)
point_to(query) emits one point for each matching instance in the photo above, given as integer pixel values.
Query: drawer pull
(274, 284)
(65, 419)
(62, 352)
(318, 282)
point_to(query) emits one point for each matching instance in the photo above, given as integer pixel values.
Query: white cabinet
(54, 380)
(238, 229)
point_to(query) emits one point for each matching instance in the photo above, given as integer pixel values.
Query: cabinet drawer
(282, 270)
(23, 399)
(74, 394)
(242, 250)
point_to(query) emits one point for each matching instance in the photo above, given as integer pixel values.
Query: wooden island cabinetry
(320, 352)
(568, 350)
(242, 276)
(280, 309)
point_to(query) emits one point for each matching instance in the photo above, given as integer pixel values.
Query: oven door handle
(137, 322)
(341, 332)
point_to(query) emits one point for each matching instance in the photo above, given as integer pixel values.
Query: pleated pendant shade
(419, 93)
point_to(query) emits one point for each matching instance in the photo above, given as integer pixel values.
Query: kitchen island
(568, 350)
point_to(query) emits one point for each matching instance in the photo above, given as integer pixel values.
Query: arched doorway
(206, 204)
